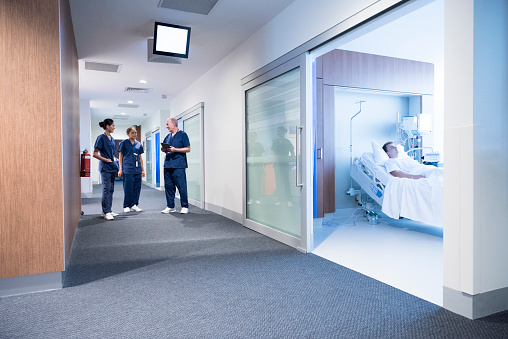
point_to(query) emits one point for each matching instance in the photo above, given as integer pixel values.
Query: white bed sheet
(419, 200)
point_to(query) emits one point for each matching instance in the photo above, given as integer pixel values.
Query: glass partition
(192, 127)
(272, 120)
(149, 160)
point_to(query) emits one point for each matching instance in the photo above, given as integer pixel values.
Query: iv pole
(351, 143)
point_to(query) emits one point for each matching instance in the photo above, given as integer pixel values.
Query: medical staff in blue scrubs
(131, 166)
(104, 150)
(175, 165)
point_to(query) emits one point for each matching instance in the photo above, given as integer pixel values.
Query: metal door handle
(299, 130)
(320, 153)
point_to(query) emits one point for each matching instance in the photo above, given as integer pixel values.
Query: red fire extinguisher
(85, 164)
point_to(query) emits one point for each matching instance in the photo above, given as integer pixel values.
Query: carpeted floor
(148, 275)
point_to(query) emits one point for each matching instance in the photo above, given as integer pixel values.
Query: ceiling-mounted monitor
(171, 40)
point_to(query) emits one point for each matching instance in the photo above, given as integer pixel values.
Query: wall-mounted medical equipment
(409, 123)
(424, 123)
(411, 129)
(420, 124)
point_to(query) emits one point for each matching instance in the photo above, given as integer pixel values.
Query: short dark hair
(107, 122)
(385, 146)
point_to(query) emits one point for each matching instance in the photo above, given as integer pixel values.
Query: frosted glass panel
(273, 114)
(191, 126)
(148, 151)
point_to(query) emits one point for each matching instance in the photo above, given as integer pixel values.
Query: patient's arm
(400, 174)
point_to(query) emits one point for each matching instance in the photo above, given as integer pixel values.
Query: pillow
(402, 153)
(380, 155)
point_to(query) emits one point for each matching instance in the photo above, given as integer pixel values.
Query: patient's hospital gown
(409, 166)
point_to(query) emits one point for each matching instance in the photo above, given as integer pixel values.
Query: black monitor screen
(171, 40)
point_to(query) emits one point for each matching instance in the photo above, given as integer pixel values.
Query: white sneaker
(135, 208)
(168, 210)
(112, 213)
(184, 210)
(108, 216)
(126, 210)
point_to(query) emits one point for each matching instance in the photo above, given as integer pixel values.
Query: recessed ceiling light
(122, 113)
(130, 102)
(143, 81)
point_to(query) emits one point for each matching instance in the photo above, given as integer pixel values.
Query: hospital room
(388, 228)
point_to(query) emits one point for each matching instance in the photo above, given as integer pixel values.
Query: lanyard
(134, 153)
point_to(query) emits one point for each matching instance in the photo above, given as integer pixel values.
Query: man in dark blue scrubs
(175, 165)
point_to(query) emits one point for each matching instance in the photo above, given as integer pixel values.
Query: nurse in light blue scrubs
(131, 166)
(104, 150)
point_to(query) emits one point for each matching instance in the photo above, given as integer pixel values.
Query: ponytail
(107, 122)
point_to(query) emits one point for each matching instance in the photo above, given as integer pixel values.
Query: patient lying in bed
(404, 167)
(420, 200)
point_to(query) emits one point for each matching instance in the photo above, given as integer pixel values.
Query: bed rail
(368, 181)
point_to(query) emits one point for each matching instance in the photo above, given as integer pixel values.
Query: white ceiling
(116, 32)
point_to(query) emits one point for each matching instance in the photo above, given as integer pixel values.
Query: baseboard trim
(31, 284)
(238, 217)
(86, 195)
(475, 306)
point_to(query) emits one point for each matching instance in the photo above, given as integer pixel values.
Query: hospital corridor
(254, 169)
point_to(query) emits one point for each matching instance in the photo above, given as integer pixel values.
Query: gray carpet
(148, 275)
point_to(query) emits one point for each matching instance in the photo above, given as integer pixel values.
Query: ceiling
(116, 32)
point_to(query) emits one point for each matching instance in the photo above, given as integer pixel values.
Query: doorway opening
(153, 176)
(349, 225)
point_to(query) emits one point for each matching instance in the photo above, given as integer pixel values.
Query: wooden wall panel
(329, 149)
(70, 127)
(31, 223)
(325, 166)
(319, 147)
(369, 71)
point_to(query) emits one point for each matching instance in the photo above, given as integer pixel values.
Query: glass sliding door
(192, 127)
(152, 154)
(191, 122)
(148, 151)
(274, 140)
(156, 163)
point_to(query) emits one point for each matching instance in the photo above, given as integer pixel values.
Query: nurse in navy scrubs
(174, 166)
(131, 166)
(104, 150)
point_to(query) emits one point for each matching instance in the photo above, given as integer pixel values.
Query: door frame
(150, 137)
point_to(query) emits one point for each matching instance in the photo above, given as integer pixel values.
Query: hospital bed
(419, 200)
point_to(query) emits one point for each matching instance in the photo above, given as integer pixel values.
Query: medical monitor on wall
(171, 40)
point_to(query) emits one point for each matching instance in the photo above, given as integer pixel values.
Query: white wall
(475, 234)
(490, 109)
(85, 142)
(220, 90)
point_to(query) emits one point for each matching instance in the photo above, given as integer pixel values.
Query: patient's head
(391, 149)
